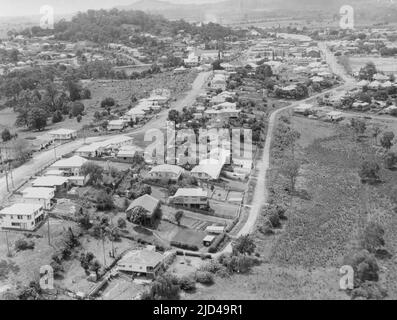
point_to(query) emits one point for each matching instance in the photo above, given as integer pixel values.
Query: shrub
(215, 245)
(369, 290)
(373, 237)
(204, 277)
(187, 284)
(57, 117)
(184, 246)
(369, 172)
(244, 245)
(121, 223)
(238, 263)
(21, 245)
(364, 265)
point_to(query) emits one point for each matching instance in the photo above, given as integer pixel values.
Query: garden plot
(190, 237)
(225, 210)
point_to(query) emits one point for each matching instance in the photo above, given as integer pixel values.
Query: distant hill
(233, 9)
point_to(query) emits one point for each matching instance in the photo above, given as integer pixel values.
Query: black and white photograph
(198, 155)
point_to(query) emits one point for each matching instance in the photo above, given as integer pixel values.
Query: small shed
(208, 240)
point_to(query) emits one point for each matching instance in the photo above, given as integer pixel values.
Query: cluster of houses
(157, 100)
(39, 198)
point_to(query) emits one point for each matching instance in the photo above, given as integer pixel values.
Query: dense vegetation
(105, 26)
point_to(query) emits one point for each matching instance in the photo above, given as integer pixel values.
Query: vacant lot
(190, 237)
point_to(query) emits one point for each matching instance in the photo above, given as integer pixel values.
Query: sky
(18, 8)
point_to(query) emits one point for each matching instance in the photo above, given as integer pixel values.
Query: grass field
(386, 65)
(302, 259)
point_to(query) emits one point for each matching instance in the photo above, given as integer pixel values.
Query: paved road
(335, 67)
(261, 193)
(45, 158)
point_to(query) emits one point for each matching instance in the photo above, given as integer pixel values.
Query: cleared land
(303, 257)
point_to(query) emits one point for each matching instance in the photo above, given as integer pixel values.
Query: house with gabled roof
(190, 197)
(166, 171)
(22, 216)
(145, 262)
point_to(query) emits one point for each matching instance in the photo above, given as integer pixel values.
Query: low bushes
(184, 246)
(187, 284)
(204, 277)
(22, 244)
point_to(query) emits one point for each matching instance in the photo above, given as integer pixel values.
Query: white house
(56, 182)
(166, 171)
(91, 150)
(22, 216)
(190, 197)
(142, 262)
(128, 152)
(116, 125)
(70, 166)
(42, 196)
(210, 170)
(334, 116)
(63, 134)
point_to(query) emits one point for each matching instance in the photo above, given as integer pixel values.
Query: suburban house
(192, 60)
(97, 149)
(146, 262)
(128, 152)
(207, 170)
(22, 216)
(166, 171)
(116, 143)
(334, 116)
(91, 150)
(148, 203)
(42, 196)
(56, 182)
(63, 134)
(190, 197)
(70, 166)
(218, 82)
(116, 125)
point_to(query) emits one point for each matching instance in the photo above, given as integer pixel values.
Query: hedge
(215, 245)
(184, 246)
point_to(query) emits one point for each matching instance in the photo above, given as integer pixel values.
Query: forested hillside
(104, 26)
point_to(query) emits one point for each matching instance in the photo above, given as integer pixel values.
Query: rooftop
(62, 131)
(142, 257)
(75, 162)
(147, 202)
(167, 168)
(49, 181)
(191, 192)
(38, 193)
(21, 209)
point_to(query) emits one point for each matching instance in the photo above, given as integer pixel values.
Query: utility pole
(55, 151)
(11, 176)
(8, 244)
(48, 230)
(103, 248)
(5, 168)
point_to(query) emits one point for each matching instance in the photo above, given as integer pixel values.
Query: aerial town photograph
(198, 150)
